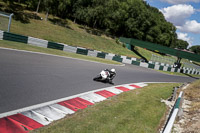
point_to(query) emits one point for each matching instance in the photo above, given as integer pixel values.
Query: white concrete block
(151, 62)
(92, 53)
(127, 61)
(133, 59)
(109, 57)
(157, 67)
(144, 64)
(37, 42)
(1, 35)
(173, 69)
(165, 68)
(70, 49)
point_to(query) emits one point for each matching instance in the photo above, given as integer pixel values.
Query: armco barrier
(170, 123)
(93, 53)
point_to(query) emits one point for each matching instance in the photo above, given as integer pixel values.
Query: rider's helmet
(113, 70)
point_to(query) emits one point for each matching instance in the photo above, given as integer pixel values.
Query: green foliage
(181, 44)
(128, 18)
(195, 49)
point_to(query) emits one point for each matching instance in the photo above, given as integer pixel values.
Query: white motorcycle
(104, 76)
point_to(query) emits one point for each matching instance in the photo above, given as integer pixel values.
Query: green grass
(179, 74)
(72, 35)
(22, 46)
(136, 111)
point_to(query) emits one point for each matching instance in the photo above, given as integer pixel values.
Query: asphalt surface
(27, 78)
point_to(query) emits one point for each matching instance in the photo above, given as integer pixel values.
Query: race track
(27, 78)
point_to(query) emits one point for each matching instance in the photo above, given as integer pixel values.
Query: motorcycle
(103, 77)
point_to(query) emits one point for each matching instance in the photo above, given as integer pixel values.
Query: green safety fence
(161, 49)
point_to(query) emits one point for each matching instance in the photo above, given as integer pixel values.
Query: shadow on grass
(191, 76)
(137, 53)
(60, 22)
(96, 32)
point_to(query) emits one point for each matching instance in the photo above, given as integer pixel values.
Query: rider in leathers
(112, 74)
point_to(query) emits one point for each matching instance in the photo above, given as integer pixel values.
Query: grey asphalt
(27, 78)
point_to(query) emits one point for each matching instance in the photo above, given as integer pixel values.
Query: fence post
(10, 19)
(174, 93)
(180, 112)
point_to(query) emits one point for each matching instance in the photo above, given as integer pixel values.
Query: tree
(181, 44)
(195, 49)
(38, 6)
(48, 4)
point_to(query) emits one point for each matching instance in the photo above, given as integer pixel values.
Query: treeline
(127, 18)
(195, 49)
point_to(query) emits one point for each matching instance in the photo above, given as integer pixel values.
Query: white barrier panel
(193, 71)
(50, 112)
(37, 42)
(173, 69)
(37, 117)
(165, 68)
(92, 53)
(70, 49)
(144, 64)
(127, 61)
(133, 59)
(123, 57)
(109, 56)
(93, 97)
(1, 35)
(151, 62)
(157, 67)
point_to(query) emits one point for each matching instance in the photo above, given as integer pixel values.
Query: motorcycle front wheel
(98, 77)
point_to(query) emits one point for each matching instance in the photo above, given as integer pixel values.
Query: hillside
(55, 29)
(65, 31)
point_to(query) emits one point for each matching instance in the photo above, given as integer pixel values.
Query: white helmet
(112, 70)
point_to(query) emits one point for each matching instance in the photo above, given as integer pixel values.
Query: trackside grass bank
(136, 111)
(22, 46)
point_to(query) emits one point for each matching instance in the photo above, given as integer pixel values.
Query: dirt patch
(189, 122)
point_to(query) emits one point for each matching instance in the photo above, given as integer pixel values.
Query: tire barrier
(93, 53)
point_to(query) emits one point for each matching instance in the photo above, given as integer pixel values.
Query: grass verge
(179, 74)
(22, 46)
(136, 111)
